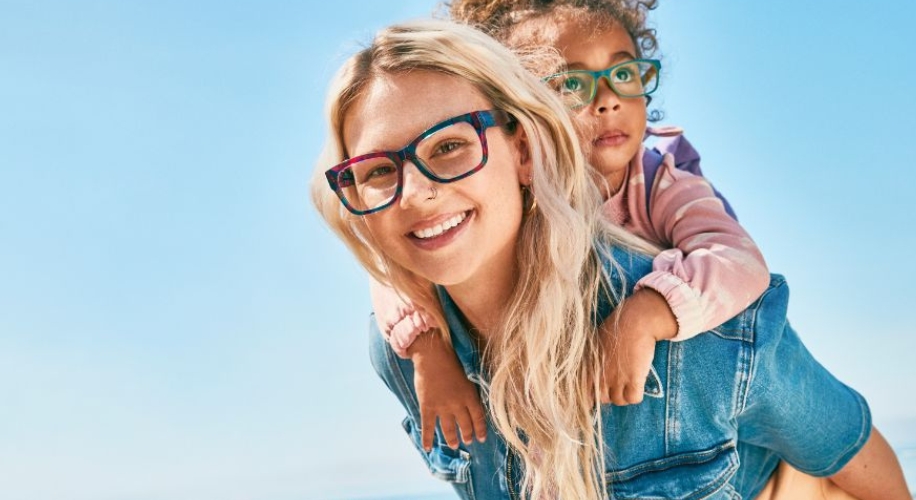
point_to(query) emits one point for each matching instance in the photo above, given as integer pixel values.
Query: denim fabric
(720, 411)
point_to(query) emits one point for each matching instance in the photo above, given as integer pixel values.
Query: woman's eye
(448, 146)
(379, 172)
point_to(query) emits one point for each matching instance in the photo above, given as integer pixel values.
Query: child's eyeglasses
(449, 151)
(635, 78)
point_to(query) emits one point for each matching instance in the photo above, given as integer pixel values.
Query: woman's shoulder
(624, 265)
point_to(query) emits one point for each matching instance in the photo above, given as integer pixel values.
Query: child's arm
(874, 472)
(712, 268)
(629, 336)
(711, 271)
(399, 321)
(443, 390)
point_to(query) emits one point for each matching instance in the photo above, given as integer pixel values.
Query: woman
(439, 141)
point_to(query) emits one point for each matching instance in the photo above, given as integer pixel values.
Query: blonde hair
(544, 357)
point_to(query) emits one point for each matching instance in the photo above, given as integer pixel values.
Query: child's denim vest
(720, 411)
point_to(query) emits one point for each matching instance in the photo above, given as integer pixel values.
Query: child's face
(613, 126)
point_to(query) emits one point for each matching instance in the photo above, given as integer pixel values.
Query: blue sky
(177, 323)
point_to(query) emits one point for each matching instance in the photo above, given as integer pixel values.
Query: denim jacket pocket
(653, 387)
(453, 466)
(686, 476)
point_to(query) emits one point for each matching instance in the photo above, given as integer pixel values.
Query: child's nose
(606, 99)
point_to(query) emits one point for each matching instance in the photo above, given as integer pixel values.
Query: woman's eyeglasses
(447, 152)
(635, 78)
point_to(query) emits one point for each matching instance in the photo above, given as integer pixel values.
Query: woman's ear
(523, 155)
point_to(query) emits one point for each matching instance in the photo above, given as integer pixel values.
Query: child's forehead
(551, 28)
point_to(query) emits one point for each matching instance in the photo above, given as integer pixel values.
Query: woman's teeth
(438, 229)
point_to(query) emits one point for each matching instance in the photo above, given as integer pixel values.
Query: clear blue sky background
(176, 323)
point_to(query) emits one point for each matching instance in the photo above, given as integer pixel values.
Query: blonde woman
(456, 177)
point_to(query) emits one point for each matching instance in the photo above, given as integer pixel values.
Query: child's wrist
(652, 312)
(425, 345)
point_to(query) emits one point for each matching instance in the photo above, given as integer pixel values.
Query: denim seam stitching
(402, 380)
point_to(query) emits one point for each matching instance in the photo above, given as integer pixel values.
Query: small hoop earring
(433, 192)
(529, 200)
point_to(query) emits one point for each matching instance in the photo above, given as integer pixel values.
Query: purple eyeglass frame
(480, 120)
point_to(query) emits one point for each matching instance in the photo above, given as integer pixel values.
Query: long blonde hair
(544, 358)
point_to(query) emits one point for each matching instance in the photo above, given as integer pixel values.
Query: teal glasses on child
(635, 78)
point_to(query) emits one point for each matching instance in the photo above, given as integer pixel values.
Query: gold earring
(529, 200)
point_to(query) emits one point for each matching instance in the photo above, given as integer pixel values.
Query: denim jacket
(720, 411)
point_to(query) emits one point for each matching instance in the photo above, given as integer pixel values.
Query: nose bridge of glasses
(416, 178)
(419, 167)
(608, 88)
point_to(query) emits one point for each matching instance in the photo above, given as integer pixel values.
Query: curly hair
(506, 20)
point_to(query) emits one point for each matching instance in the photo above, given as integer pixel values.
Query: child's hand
(629, 338)
(444, 392)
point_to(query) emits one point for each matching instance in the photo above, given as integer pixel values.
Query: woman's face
(613, 126)
(460, 233)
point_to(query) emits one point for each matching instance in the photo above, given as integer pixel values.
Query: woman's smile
(437, 233)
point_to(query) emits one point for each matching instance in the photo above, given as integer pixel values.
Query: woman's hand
(445, 393)
(629, 338)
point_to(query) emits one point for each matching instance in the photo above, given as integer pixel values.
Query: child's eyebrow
(617, 57)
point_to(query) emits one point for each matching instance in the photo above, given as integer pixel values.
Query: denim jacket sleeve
(795, 407)
(476, 470)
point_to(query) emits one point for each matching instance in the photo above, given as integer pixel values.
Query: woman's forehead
(393, 109)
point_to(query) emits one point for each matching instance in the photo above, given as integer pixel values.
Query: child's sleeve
(399, 321)
(712, 269)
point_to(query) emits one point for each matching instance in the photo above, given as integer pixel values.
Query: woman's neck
(484, 299)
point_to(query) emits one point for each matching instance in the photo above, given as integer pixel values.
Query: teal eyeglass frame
(341, 176)
(596, 77)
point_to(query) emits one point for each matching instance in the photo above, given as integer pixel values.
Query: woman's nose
(417, 188)
(606, 99)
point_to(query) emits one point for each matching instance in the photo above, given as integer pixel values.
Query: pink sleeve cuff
(684, 301)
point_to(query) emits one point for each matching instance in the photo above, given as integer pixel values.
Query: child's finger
(427, 430)
(449, 432)
(605, 396)
(605, 391)
(465, 425)
(633, 393)
(479, 419)
(617, 395)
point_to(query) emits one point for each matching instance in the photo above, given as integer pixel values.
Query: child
(711, 269)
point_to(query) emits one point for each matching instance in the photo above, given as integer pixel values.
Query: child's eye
(573, 84)
(623, 75)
